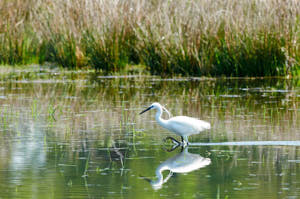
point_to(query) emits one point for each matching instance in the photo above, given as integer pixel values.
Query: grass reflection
(58, 126)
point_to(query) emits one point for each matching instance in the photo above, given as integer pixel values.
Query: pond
(76, 134)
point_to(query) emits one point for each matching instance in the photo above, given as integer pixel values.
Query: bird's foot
(173, 140)
(184, 142)
(171, 149)
(176, 143)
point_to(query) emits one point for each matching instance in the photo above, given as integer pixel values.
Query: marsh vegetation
(190, 37)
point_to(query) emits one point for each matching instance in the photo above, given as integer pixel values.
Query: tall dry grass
(189, 37)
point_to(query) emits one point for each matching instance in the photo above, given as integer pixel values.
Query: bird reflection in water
(183, 162)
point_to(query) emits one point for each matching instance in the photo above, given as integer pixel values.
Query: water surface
(77, 134)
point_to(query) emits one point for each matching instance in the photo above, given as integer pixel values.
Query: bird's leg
(184, 142)
(173, 140)
(173, 148)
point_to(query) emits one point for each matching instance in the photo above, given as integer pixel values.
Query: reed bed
(188, 37)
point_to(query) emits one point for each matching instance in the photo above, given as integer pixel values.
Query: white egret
(180, 125)
(183, 162)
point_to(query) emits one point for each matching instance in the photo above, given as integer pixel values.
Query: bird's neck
(160, 180)
(158, 118)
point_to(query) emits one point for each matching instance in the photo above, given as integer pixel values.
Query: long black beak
(146, 110)
(145, 178)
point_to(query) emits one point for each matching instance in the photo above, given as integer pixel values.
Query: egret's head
(155, 105)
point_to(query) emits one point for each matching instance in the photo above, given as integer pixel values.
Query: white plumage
(186, 126)
(180, 125)
(183, 162)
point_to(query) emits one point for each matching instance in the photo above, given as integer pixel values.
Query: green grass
(190, 37)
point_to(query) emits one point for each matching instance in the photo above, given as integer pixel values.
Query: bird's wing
(181, 124)
(188, 124)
